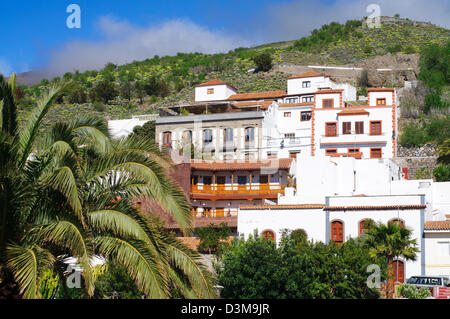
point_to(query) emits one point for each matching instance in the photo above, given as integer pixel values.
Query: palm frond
(27, 264)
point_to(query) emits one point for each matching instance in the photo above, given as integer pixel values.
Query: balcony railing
(259, 189)
(287, 141)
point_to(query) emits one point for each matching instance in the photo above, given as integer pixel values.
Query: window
(330, 129)
(353, 150)
(330, 151)
(375, 127)
(207, 136)
(242, 180)
(264, 179)
(207, 180)
(307, 99)
(399, 271)
(381, 101)
(293, 154)
(268, 235)
(306, 84)
(291, 100)
(305, 116)
(287, 114)
(359, 127)
(290, 136)
(220, 180)
(347, 128)
(337, 231)
(228, 135)
(375, 153)
(187, 135)
(210, 91)
(249, 134)
(167, 139)
(364, 225)
(327, 103)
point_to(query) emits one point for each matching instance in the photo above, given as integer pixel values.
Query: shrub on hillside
(442, 173)
(263, 61)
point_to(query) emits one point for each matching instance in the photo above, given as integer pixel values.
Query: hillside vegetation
(143, 86)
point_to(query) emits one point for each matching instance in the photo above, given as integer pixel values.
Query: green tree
(212, 237)
(103, 91)
(74, 196)
(391, 241)
(146, 131)
(263, 61)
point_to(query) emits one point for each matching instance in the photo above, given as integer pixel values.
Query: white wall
(122, 128)
(437, 253)
(221, 92)
(294, 86)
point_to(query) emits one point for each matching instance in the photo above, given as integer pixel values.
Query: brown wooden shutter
(337, 231)
(359, 127)
(327, 103)
(331, 129)
(375, 153)
(399, 271)
(375, 128)
(346, 127)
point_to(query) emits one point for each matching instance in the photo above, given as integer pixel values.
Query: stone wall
(420, 161)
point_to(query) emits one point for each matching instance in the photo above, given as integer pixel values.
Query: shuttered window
(375, 128)
(268, 235)
(327, 103)
(347, 128)
(330, 129)
(399, 271)
(359, 127)
(337, 231)
(375, 153)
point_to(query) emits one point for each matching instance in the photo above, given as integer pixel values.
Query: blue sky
(36, 36)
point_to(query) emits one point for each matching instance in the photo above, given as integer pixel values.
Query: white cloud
(292, 20)
(124, 43)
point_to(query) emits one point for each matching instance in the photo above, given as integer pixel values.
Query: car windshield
(432, 281)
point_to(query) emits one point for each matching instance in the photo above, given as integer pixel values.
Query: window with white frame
(290, 136)
(309, 98)
(291, 100)
(306, 84)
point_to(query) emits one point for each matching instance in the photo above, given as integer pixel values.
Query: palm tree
(75, 197)
(390, 241)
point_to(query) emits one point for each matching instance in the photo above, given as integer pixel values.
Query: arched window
(268, 234)
(364, 225)
(228, 135)
(337, 231)
(397, 221)
(399, 271)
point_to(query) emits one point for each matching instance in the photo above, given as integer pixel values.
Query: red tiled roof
(437, 225)
(375, 207)
(329, 91)
(380, 89)
(257, 95)
(293, 206)
(282, 163)
(262, 104)
(353, 112)
(307, 74)
(295, 104)
(216, 82)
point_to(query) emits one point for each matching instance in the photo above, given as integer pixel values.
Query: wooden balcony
(229, 191)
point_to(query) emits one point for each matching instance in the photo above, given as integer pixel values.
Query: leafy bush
(212, 237)
(413, 135)
(413, 292)
(263, 61)
(99, 106)
(442, 173)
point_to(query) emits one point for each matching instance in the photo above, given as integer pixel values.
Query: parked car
(429, 281)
